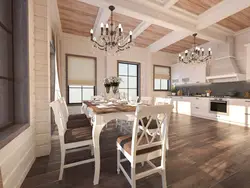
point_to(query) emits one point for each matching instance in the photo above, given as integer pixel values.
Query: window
(129, 73)
(14, 75)
(81, 78)
(162, 77)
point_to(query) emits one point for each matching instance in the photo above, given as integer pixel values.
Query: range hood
(224, 68)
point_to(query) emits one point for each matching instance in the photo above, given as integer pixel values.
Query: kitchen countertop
(213, 97)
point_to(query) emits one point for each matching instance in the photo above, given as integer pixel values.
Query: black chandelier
(195, 55)
(112, 40)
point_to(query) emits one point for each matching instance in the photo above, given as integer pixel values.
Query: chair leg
(133, 180)
(118, 160)
(62, 164)
(164, 179)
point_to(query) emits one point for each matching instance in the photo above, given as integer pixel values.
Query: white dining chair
(71, 138)
(73, 120)
(143, 147)
(161, 100)
(146, 100)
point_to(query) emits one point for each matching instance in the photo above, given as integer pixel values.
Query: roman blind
(162, 73)
(81, 71)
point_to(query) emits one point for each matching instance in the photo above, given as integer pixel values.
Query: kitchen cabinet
(200, 107)
(182, 105)
(238, 110)
(188, 74)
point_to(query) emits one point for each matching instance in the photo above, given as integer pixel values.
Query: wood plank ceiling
(238, 21)
(183, 45)
(128, 23)
(150, 35)
(76, 17)
(196, 6)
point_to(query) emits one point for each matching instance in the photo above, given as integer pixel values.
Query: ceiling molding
(102, 17)
(220, 11)
(169, 39)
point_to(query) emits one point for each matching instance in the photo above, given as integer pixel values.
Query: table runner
(112, 109)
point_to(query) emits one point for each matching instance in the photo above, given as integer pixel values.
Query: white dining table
(99, 120)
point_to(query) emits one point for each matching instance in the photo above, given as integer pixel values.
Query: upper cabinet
(188, 74)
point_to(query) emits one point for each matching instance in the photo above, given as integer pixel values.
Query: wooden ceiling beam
(220, 11)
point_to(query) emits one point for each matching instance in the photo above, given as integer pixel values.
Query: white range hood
(225, 68)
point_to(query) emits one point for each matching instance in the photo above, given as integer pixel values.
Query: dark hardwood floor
(203, 154)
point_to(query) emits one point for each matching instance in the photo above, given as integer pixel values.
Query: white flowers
(112, 81)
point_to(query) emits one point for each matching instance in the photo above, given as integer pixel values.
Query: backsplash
(217, 88)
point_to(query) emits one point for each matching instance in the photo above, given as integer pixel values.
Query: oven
(219, 106)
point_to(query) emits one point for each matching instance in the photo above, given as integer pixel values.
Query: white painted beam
(102, 17)
(220, 11)
(140, 28)
(170, 3)
(169, 39)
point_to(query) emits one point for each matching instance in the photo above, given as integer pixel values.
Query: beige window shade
(81, 71)
(162, 73)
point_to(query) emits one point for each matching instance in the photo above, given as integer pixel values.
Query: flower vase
(107, 89)
(115, 89)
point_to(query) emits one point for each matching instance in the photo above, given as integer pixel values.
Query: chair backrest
(61, 124)
(148, 140)
(162, 101)
(64, 109)
(133, 99)
(146, 100)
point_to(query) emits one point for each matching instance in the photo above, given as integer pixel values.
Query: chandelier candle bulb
(91, 33)
(102, 25)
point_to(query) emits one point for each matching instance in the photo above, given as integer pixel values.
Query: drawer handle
(197, 107)
(247, 114)
(197, 98)
(247, 101)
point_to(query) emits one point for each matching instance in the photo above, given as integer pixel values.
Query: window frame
(169, 83)
(67, 86)
(9, 79)
(138, 89)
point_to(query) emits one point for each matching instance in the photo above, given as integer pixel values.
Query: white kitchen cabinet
(238, 111)
(200, 107)
(247, 122)
(188, 74)
(182, 105)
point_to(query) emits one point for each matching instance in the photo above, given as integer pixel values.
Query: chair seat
(77, 123)
(126, 141)
(152, 125)
(77, 116)
(78, 134)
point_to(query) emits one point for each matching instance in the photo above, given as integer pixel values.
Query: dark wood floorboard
(203, 154)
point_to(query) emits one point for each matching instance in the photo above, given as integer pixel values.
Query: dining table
(101, 113)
